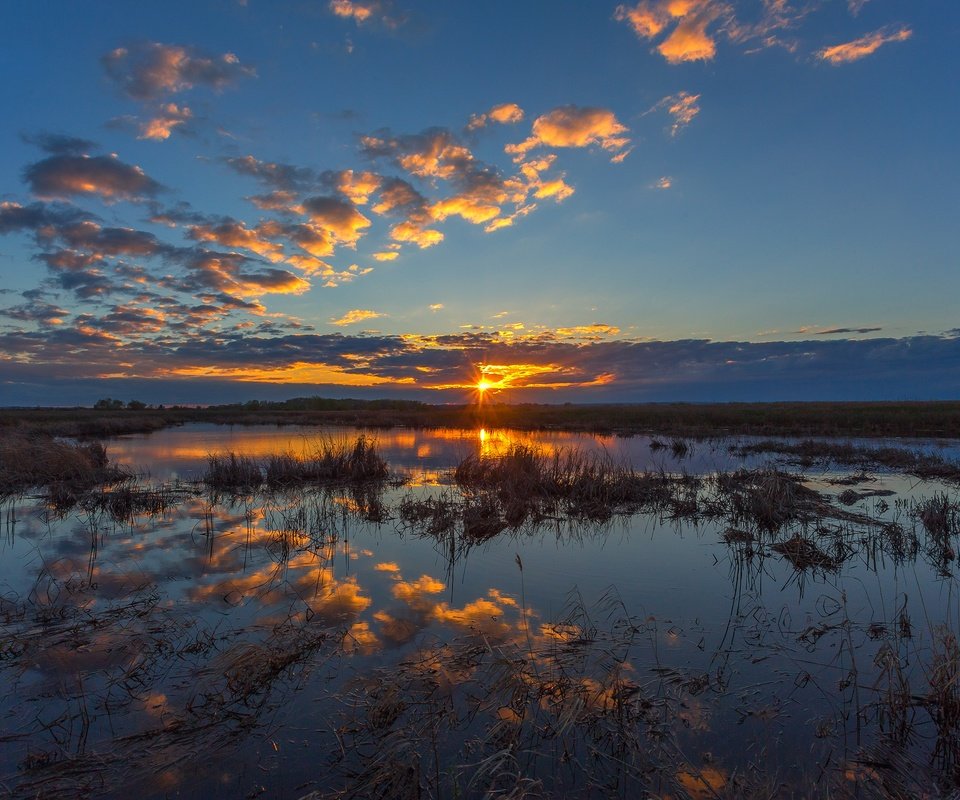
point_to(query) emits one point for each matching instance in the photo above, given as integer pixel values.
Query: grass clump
(331, 462)
(527, 482)
(66, 469)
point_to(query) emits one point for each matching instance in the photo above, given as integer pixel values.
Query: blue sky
(672, 199)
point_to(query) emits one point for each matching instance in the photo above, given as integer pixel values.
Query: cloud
(363, 11)
(17, 217)
(63, 176)
(436, 306)
(855, 6)
(664, 182)
(59, 144)
(356, 315)
(434, 153)
(168, 117)
(151, 70)
(835, 331)
(337, 217)
(573, 126)
(689, 40)
(864, 46)
(503, 114)
(682, 107)
(37, 311)
(231, 233)
(282, 177)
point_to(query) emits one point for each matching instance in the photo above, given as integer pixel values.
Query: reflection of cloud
(864, 46)
(150, 70)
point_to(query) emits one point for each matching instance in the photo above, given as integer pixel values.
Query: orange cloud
(337, 217)
(358, 186)
(356, 315)
(236, 234)
(504, 114)
(689, 39)
(573, 126)
(388, 255)
(161, 126)
(683, 107)
(864, 46)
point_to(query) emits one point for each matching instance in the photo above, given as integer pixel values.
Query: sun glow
(483, 385)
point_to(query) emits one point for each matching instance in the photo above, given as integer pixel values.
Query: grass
(332, 462)
(526, 482)
(928, 466)
(66, 469)
(695, 420)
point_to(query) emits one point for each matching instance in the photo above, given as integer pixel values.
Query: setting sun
(483, 385)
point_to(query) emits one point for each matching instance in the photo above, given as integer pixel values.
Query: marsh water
(317, 641)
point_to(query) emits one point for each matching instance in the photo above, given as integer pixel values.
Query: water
(275, 646)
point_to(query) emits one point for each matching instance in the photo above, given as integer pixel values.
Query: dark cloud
(59, 144)
(39, 312)
(15, 217)
(63, 176)
(150, 70)
(833, 331)
(283, 177)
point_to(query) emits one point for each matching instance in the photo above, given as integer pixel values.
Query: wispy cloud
(682, 107)
(864, 46)
(365, 11)
(356, 315)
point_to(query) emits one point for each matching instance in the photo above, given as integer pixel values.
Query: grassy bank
(887, 419)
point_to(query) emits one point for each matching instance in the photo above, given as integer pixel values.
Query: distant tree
(136, 405)
(108, 403)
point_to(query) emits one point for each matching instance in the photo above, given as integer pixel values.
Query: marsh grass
(928, 466)
(65, 469)
(331, 462)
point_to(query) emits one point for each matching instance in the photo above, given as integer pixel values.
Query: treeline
(324, 404)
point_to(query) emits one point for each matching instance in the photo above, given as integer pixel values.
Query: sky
(703, 200)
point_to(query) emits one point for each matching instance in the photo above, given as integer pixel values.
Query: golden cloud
(864, 46)
(356, 315)
(573, 126)
(504, 114)
(161, 126)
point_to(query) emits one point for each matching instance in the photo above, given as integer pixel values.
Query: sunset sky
(573, 201)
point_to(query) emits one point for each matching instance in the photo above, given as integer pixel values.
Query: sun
(483, 384)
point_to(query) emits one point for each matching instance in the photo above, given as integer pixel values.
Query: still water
(315, 642)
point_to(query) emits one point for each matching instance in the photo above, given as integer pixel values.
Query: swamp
(312, 612)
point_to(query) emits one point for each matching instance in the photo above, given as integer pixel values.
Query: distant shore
(696, 420)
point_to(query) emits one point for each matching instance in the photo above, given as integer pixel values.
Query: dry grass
(928, 466)
(331, 462)
(528, 483)
(66, 469)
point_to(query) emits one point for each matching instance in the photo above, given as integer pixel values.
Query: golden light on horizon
(483, 385)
